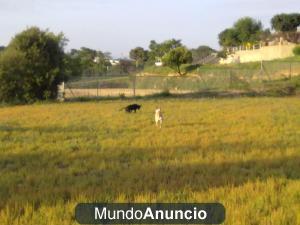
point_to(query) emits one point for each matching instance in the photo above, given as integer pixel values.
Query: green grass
(153, 70)
(274, 65)
(245, 77)
(100, 81)
(241, 152)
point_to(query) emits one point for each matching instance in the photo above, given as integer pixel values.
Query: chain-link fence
(243, 78)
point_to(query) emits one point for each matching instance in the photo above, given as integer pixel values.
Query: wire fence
(256, 76)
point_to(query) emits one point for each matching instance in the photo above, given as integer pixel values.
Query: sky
(117, 26)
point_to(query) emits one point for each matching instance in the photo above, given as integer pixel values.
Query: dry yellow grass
(244, 153)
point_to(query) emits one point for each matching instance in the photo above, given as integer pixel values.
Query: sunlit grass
(244, 153)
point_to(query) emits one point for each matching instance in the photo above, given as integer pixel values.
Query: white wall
(265, 53)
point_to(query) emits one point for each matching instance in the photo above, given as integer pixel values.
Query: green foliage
(201, 52)
(248, 30)
(176, 57)
(228, 38)
(32, 66)
(73, 67)
(127, 66)
(222, 54)
(245, 30)
(139, 55)
(296, 50)
(87, 62)
(286, 22)
(155, 70)
(265, 35)
(158, 50)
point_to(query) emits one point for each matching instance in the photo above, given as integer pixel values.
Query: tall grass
(243, 153)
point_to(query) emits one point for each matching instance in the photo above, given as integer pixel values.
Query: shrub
(31, 66)
(296, 50)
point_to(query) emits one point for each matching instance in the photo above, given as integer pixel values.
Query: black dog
(132, 108)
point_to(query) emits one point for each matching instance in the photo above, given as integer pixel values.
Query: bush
(31, 67)
(296, 50)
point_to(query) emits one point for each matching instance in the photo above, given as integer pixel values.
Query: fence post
(98, 87)
(230, 79)
(261, 70)
(134, 84)
(290, 70)
(137, 65)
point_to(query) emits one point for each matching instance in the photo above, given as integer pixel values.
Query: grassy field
(244, 153)
(274, 75)
(279, 65)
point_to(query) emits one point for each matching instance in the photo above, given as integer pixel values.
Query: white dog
(158, 117)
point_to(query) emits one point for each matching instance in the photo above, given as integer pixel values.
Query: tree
(228, 38)
(245, 30)
(222, 54)
(32, 66)
(176, 57)
(286, 22)
(248, 30)
(139, 55)
(127, 66)
(201, 52)
(296, 50)
(2, 48)
(89, 61)
(158, 50)
(73, 66)
(265, 35)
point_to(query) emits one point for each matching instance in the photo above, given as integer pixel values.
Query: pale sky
(120, 25)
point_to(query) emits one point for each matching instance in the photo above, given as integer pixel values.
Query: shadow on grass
(50, 177)
(280, 92)
(45, 129)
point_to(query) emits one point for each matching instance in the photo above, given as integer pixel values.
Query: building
(277, 47)
(114, 62)
(158, 62)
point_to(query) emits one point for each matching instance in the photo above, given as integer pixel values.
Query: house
(114, 62)
(158, 62)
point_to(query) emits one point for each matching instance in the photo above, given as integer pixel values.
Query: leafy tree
(32, 66)
(248, 30)
(265, 35)
(202, 52)
(127, 66)
(2, 48)
(158, 50)
(101, 62)
(245, 30)
(89, 61)
(222, 54)
(286, 22)
(87, 57)
(229, 38)
(139, 55)
(73, 66)
(176, 57)
(107, 55)
(296, 50)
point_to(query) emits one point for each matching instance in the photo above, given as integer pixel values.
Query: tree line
(250, 31)
(35, 62)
